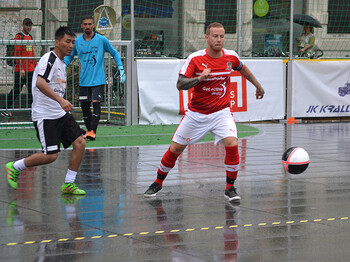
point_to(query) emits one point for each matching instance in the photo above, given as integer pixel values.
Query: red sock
(231, 165)
(167, 163)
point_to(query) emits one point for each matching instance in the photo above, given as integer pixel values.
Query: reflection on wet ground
(281, 217)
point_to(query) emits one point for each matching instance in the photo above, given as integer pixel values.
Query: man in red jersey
(208, 72)
(24, 68)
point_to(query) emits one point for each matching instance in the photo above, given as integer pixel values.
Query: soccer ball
(295, 160)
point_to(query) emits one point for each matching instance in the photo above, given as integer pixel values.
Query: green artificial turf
(109, 136)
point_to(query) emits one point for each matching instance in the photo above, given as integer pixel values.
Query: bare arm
(247, 74)
(305, 48)
(185, 83)
(46, 90)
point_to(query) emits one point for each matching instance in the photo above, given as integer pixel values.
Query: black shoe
(152, 190)
(231, 194)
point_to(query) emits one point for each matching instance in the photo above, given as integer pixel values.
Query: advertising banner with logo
(162, 103)
(321, 88)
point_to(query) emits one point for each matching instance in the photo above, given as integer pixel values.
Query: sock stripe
(232, 168)
(164, 169)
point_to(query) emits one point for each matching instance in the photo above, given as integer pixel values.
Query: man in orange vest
(24, 67)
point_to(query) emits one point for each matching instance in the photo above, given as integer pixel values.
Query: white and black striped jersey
(53, 70)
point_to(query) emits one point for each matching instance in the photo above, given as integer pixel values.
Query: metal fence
(116, 103)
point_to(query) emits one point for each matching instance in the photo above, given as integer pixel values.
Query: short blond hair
(215, 24)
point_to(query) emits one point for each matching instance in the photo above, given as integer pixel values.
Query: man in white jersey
(208, 72)
(51, 116)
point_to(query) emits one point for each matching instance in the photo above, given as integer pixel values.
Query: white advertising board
(320, 88)
(161, 102)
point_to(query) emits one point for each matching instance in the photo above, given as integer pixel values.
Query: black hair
(87, 17)
(63, 30)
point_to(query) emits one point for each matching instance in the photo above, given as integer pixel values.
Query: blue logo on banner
(344, 90)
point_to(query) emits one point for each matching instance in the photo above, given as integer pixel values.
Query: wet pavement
(281, 217)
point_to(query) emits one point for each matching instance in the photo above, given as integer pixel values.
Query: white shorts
(194, 126)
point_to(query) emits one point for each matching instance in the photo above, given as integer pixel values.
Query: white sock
(19, 165)
(70, 176)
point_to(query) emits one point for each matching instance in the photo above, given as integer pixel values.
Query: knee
(79, 143)
(85, 106)
(230, 141)
(97, 107)
(177, 148)
(51, 158)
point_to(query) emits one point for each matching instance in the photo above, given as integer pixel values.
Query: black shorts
(89, 93)
(52, 132)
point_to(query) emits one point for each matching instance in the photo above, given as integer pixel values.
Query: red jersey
(24, 51)
(212, 94)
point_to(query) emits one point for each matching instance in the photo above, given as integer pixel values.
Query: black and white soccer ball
(295, 160)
